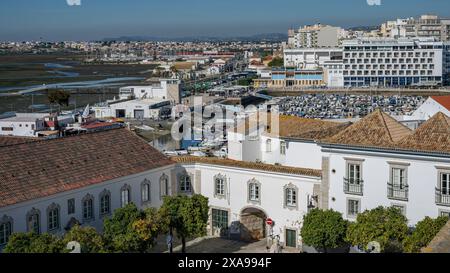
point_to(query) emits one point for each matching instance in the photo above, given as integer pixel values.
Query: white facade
(18, 212)
(134, 109)
(422, 177)
(167, 89)
(22, 124)
(311, 58)
(235, 198)
(393, 62)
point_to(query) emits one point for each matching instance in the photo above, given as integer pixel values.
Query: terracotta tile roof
(305, 128)
(247, 165)
(442, 100)
(433, 135)
(295, 127)
(375, 130)
(13, 140)
(43, 168)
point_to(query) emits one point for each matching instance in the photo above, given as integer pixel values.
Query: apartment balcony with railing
(353, 186)
(398, 192)
(442, 197)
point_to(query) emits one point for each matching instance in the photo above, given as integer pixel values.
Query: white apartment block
(315, 36)
(393, 62)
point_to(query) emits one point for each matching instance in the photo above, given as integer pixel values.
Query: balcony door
(354, 174)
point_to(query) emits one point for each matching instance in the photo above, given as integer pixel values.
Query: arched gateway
(253, 224)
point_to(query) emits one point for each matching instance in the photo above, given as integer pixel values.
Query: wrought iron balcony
(398, 192)
(442, 198)
(353, 186)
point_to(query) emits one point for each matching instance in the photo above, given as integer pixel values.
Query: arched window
(145, 191)
(219, 185)
(163, 185)
(53, 222)
(88, 207)
(6, 226)
(254, 191)
(268, 145)
(125, 194)
(34, 221)
(105, 202)
(185, 183)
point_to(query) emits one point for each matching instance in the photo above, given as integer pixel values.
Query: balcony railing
(353, 186)
(398, 192)
(442, 198)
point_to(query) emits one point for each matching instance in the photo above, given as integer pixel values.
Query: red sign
(269, 222)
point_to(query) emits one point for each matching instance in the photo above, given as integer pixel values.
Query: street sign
(269, 222)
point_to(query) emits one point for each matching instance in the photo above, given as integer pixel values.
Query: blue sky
(97, 19)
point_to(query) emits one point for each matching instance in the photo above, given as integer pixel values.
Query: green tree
(423, 233)
(60, 97)
(387, 226)
(118, 231)
(89, 239)
(276, 62)
(148, 228)
(34, 243)
(324, 229)
(188, 216)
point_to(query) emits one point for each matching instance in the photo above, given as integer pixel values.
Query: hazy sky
(97, 19)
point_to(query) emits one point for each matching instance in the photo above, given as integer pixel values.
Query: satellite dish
(374, 247)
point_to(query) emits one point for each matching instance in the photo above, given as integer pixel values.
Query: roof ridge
(386, 126)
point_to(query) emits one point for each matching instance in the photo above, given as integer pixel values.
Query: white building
(133, 109)
(22, 124)
(167, 89)
(376, 161)
(393, 62)
(315, 36)
(431, 107)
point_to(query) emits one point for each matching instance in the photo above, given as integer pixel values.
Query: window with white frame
(125, 195)
(185, 183)
(445, 183)
(444, 213)
(283, 147)
(353, 207)
(398, 177)
(254, 191)
(290, 194)
(354, 173)
(164, 185)
(145, 191)
(33, 221)
(219, 185)
(53, 217)
(268, 145)
(88, 208)
(105, 203)
(5, 230)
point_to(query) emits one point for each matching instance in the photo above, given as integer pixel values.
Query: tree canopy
(34, 243)
(60, 97)
(276, 62)
(89, 239)
(188, 216)
(423, 233)
(387, 226)
(324, 229)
